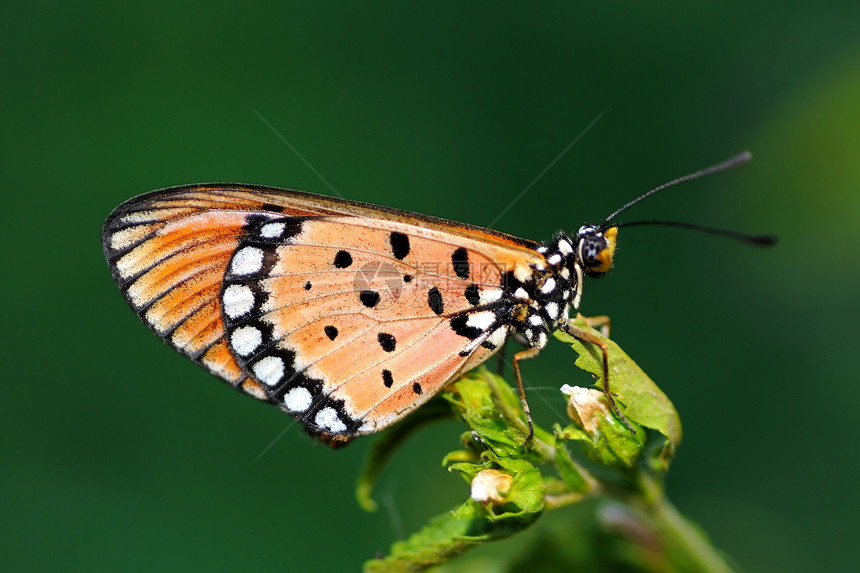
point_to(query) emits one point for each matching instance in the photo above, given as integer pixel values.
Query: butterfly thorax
(543, 300)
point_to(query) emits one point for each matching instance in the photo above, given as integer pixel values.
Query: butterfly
(346, 315)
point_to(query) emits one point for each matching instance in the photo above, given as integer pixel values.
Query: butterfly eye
(596, 249)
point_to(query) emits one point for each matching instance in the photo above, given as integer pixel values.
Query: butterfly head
(595, 248)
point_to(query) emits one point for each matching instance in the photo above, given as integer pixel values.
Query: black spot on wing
(270, 259)
(253, 221)
(387, 341)
(417, 388)
(292, 227)
(399, 245)
(369, 298)
(458, 325)
(331, 332)
(281, 230)
(342, 260)
(387, 378)
(460, 261)
(473, 294)
(434, 301)
(510, 282)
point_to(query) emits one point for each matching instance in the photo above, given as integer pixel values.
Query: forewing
(346, 348)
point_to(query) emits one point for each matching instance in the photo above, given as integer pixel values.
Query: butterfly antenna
(735, 161)
(757, 240)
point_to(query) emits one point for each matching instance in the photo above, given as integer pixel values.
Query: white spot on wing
(272, 230)
(327, 419)
(238, 300)
(247, 261)
(548, 286)
(498, 337)
(551, 309)
(481, 320)
(298, 399)
(246, 340)
(269, 370)
(541, 339)
(490, 295)
(536, 320)
(554, 259)
(565, 273)
(521, 293)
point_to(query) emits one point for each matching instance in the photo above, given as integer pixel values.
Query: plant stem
(685, 540)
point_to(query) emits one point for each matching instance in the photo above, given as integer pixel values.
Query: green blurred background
(119, 454)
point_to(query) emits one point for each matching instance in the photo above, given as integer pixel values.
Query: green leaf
(611, 443)
(639, 399)
(492, 410)
(527, 491)
(444, 538)
(574, 477)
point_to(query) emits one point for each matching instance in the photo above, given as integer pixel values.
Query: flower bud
(606, 438)
(490, 487)
(586, 406)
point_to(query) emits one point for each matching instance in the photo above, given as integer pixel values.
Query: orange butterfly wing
(346, 315)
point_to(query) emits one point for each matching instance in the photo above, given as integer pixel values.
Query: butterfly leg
(586, 336)
(524, 355)
(522, 341)
(598, 322)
